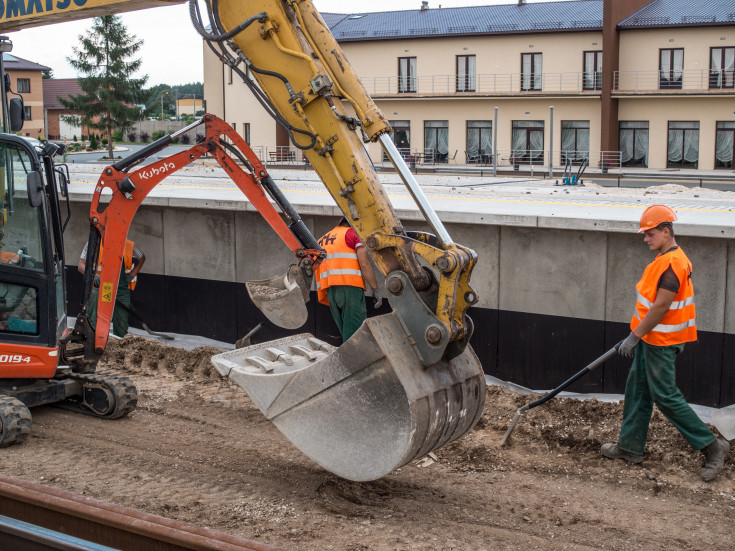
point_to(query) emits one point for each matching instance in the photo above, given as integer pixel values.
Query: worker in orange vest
(663, 321)
(133, 260)
(341, 278)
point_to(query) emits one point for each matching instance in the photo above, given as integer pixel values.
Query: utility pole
(162, 106)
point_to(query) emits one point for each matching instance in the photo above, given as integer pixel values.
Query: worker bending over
(133, 260)
(663, 321)
(341, 277)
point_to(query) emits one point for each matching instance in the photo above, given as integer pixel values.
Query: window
(406, 75)
(401, 136)
(229, 75)
(26, 113)
(24, 85)
(436, 141)
(671, 69)
(246, 132)
(527, 142)
(531, 72)
(683, 148)
(479, 142)
(465, 73)
(592, 71)
(633, 143)
(724, 144)
(722, 68)
(21, 250)
(575, 141)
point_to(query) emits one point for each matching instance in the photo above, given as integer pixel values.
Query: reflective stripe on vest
(339, 267)
(127, 262)
(679, 324)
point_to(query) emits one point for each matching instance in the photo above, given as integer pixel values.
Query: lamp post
(5, 46)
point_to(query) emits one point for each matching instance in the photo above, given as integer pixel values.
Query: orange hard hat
(655, 215)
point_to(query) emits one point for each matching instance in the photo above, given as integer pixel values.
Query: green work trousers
(119, 314)
(347, 304)
(652, 380)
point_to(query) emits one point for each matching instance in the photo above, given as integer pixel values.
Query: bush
(74, 138)
(83, 138)
(157, 135)
(104, 141)
(117, 135)
(93, 142)
(185, 139)
(132, 136)
(144, 137)
(200, 137)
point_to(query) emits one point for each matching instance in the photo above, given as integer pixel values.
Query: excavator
(405, 384)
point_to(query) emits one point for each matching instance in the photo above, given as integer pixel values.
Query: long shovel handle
(136, 315)
(607, 355)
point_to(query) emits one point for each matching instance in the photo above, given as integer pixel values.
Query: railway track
(37, 518)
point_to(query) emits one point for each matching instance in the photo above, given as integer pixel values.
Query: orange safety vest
(340, 267)
(679, 324)
(127, 262)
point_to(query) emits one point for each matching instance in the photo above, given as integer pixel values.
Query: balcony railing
(497, 83)
(690, 80)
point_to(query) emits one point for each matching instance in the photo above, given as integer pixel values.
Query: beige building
(619, 82)
(26, 79)
(189, 106)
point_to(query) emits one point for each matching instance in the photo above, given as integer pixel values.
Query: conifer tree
(109, 91)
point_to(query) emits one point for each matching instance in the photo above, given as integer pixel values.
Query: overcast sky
(172, 49)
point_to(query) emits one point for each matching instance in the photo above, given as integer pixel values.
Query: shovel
(606, 356)
(129, 310)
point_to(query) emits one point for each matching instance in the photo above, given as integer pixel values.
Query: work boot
(715, 455)
(613, 452)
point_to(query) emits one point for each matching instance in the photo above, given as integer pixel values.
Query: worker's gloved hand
(96, 282)
(378, 299)
(628, 345)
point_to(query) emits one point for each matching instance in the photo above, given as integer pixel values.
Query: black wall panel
(533, 350)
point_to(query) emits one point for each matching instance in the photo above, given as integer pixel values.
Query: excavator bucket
(282, 298)
(365, 408)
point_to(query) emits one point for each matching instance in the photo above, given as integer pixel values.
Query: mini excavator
(404, 384)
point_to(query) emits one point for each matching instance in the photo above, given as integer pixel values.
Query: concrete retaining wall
(551, 299)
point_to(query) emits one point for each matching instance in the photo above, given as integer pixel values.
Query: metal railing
(496, 83)
(699, 80)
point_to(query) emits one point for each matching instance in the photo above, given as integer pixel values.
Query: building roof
(15, 63)
(681, 13)
(572, 15)
(54, 87)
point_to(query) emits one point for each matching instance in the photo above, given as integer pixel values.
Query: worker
(664, 320)
(133, 260)
(341, 278)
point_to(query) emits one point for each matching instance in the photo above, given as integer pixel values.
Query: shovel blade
(282, 299)
(366, 408)
(724, 420)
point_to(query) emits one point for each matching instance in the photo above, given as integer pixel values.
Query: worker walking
(133, 260)
(341, 278)
(663, 321)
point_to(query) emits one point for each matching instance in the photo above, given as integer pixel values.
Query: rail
(104, 524)
(690, 80)
(494, 83)
(673, 178)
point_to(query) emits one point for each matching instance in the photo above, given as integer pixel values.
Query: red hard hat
(655, 215)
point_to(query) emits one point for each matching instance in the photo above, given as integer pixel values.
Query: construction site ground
(198, 450)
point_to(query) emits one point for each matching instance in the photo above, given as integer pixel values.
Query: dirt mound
(138, 355)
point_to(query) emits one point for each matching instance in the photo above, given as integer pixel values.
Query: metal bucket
(365, 408)
(282, 299)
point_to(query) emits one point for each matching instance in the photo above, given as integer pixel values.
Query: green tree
(109, 91)
(47, 74)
